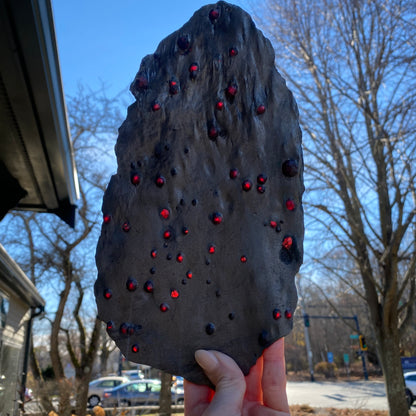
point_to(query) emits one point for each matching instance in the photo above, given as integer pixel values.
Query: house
(37, 170)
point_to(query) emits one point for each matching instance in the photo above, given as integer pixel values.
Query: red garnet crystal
(290, 204)
(124, 328)
(287, 243)
(261, 189)
(261, 109)
(164, 213)
(189, 274)
(135, 178)
(261, 179)
(213, 132)
(217, 218)
(232, 90)
(167, 234)
(108, 294)
(110, 325)
(131, 285)
(290, 168)
(219, 105)
(288, 314)
(141, 82)
(211, 249)
(148, 286)
(193, 70)
(233, 52)
(173, 87)
(164, 307)
(273, 224)
(174, 294)
(185, 231)
(233, 173)
(277, 314)
(135, 348)
(156, 106)
(179, 258)
(214, 14)
(247, 185)
(126, 226)
(243, 259)
(160, 181)
(153, 253)
(106, 218)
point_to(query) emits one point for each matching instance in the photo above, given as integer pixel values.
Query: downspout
(35, 312)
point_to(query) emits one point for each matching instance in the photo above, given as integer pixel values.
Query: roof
(37, 169)
(15, 279)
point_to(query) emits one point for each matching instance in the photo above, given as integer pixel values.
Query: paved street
(355, 394)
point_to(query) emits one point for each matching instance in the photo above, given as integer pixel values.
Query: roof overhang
(37, 169)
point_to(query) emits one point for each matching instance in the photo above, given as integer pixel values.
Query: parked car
(410, 380)
(97, 387)
(133, 374)
(138, 392)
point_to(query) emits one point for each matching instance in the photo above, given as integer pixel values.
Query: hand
(261, 393)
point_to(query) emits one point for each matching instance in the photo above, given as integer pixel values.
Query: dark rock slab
(203, 222)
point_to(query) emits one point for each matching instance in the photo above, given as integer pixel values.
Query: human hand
(261, 393)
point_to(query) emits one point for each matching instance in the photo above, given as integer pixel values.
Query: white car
(97, 387)
(410, 380)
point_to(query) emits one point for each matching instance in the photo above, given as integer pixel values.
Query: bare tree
(351, 66)
(60, 261)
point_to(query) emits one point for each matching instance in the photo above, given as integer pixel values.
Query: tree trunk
(81, 394)
(165, 400)
(389, 355)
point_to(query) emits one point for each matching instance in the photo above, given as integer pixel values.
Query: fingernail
(206, 359)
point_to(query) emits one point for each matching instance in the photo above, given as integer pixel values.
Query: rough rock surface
(203, 222)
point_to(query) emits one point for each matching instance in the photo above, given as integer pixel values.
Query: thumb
(229, 382)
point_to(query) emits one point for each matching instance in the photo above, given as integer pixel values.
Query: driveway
(353, 395)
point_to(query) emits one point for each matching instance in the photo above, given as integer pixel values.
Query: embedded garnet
(287, 243)
(232, 90)
(160, 181)
(106, 218)
(153, 253)
(135, 348)
(108, 294)
(247, 185)
(173, 87)
(210, 328)
(164, 213)
(174, 294)
(290, 204)
(126, 226)
(164, 307)
(214, 14)
(135, 178)
(184, 42)
(141, 82)
(233, 173)
(219, 105)
(277, 314)
(273, 224)
(261, 109)
(243, 259)
(148, 286)
(179, 258)
(213, 132)
(156, 106)
(193, 70)
(211, 249)
(110, 325)
(233, 52)
(152, 270)
(189, 274)
(131, 285)
(216, 218)
(231, 316)
(167, 234)
(288, 314)
(261, 189)
(185, 231)
(290, 168)
(124, 328)
(261, 179)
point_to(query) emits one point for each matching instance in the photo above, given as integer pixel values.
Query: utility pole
(306, 330)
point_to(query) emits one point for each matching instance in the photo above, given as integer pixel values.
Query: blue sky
(105, 41)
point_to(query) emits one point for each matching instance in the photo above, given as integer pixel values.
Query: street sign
(346, 359)
(330, 357)
(354, 336)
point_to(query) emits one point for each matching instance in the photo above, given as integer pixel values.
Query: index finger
(274, 377)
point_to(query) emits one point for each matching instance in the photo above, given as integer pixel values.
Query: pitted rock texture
(203, 222)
